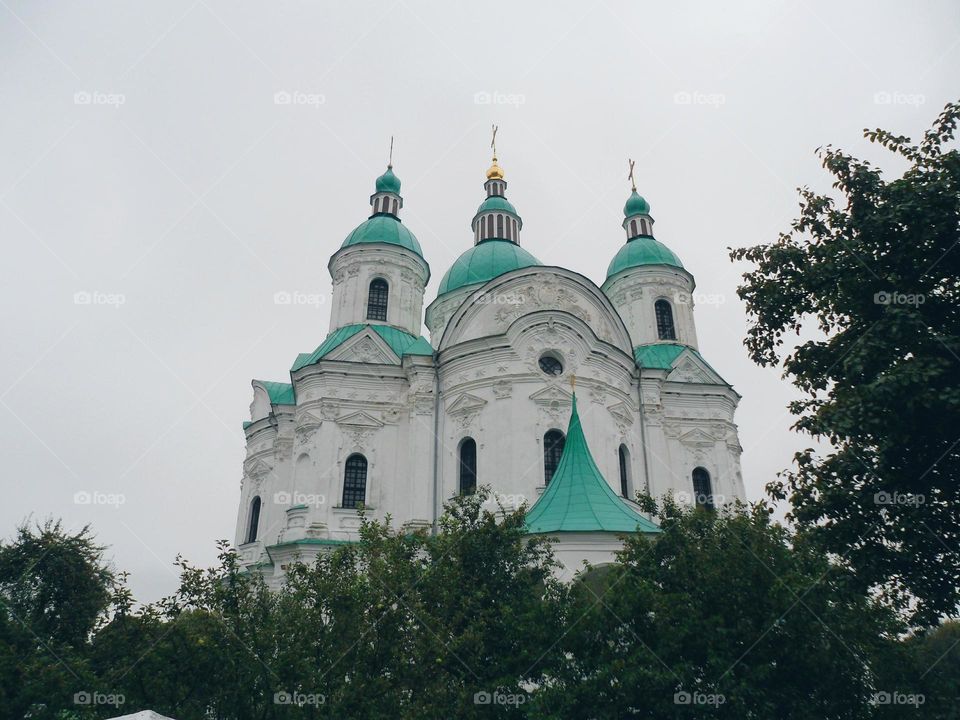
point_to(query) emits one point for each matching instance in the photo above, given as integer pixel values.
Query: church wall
(355, 267)
(634, 293)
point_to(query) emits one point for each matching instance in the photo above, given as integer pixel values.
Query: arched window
(553, 443)
(355, 481)
(254, 519)
(377, 299)
(624, 457)
(500, 227)
(468, 466)
(633, 228)
(664, 313)
(703, 493)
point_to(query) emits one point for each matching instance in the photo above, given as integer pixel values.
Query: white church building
(380, 417)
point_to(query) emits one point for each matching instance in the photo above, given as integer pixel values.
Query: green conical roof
(578, 499)
(483, 262)
(636, 205)
(388, 182)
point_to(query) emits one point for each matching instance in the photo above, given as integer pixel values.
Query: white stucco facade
(377, 391)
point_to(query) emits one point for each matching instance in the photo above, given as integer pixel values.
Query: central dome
(483, 262)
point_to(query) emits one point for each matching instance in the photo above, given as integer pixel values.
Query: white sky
(199, 197)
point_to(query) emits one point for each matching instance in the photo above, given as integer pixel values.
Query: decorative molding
(502, 389)
(465, 403)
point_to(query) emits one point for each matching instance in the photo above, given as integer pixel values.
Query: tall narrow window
(633, 228)
(553, 443)
(468, 466)
(664, 313)
(377, 299)
(703, 493)
(355, 481)
(500, 227)
(624, 456)
(254, 520)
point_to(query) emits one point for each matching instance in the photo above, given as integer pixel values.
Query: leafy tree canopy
(877, 268)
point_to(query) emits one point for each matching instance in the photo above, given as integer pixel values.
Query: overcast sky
(145, 160)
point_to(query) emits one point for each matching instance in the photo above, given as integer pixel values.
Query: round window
(551, 365)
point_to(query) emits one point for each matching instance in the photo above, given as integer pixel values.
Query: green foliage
(54, 589)
(879, 273)
(720, 610)
(471, 624)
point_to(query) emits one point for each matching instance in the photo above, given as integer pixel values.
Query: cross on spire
(633, 183)
(390, 161)
(493, 141)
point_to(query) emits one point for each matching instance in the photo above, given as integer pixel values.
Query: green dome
(383, 229)
(388, 182)
(495, 202)
(642, 250)
(489, 259)
(636, 205)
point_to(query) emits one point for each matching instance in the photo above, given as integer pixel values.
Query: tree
(398, 625)
(878, 270)
(721, 615)
(54, 589)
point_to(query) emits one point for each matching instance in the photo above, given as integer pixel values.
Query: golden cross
(390, 161)
(573, 382)
(633, 183)
(493, 142)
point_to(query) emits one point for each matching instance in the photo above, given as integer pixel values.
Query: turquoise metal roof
(642, 250)
(280, 393)
(661, 356)
(578, 499)
(402, 343)
(636, 205)
(497, 202)
(312, 541)
(388, 182)
(383, 229)
(483, 262)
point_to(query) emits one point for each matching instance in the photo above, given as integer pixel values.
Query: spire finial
(390, 161)
(573, 382)
(633, 183)
(493, 141)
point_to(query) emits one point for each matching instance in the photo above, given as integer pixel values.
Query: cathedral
(554, 392)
